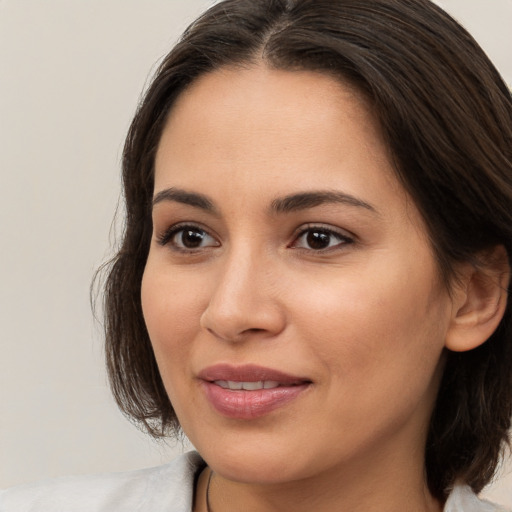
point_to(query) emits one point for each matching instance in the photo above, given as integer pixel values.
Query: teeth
(229, 384)
(252, 386)
(248, 386)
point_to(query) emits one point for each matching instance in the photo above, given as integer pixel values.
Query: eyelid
(164, 238)
(344, 236)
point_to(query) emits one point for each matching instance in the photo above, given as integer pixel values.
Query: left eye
(318, 239)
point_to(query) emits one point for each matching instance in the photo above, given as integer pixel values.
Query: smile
(248, 392)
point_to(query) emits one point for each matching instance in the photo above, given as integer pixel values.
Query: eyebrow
(182, 196)
(305, 200)
(286, 204)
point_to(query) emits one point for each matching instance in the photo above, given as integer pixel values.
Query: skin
(365, 319)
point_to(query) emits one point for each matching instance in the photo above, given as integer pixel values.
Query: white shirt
(167, 488)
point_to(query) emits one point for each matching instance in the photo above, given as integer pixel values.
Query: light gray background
(71, 72)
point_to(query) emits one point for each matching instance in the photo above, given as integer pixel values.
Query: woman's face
(290, 293)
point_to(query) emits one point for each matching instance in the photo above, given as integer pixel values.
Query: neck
(354, 491)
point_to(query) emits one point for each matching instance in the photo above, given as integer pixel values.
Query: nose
(245, 300)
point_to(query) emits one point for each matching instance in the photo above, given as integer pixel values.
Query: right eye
(187, 238)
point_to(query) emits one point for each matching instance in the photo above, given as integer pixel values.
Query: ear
(479, 300)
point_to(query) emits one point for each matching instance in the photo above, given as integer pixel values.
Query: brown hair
(447, 117)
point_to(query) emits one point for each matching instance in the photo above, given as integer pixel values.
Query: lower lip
(247, 405)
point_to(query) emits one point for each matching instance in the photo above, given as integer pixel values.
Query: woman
(313, 281)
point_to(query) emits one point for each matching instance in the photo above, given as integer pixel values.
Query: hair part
(446, 116)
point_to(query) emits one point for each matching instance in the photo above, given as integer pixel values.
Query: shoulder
(463, 499)
(163, 488)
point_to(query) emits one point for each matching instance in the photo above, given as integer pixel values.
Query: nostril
(235, 336)
(231, 320)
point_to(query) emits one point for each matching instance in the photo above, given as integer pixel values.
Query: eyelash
(342, 238)
(167, 236)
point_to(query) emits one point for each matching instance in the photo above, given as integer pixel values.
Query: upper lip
(249, 373)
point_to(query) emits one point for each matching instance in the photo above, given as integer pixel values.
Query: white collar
(463, 499)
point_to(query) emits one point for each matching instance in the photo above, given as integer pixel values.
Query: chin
(264, 464)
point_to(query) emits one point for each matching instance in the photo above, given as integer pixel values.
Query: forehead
(258, 86)
(234, 106)
(257, 132)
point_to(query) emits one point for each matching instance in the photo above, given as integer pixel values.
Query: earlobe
(479, 300)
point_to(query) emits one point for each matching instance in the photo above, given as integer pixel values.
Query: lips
(249, 391)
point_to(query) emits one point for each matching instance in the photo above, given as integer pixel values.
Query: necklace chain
(208, 491)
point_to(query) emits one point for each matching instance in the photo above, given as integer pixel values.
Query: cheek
(380, 348)
(172, 309)
(379, 324)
